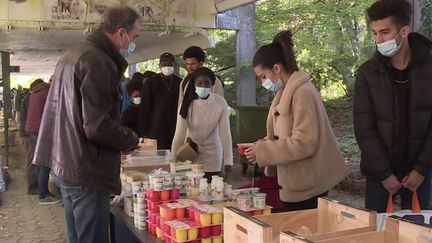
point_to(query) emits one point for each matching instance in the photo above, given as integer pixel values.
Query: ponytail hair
(279, 51)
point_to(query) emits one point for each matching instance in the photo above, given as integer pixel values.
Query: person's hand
(413, 180)
(392, 184)
(250, 154)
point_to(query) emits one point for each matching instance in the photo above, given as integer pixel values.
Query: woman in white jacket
(204, 117)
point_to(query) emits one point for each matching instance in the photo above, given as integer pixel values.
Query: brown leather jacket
(81, 137)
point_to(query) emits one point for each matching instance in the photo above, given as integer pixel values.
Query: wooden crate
(397, 230)
(330, 216)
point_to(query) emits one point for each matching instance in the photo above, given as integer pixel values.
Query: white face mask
(167, 70)
(136, 101)
(389, 48)
(202, 92)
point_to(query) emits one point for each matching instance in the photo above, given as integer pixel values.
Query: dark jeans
(29, 145)
(87, 213)
(43, 179)
(377, 196)
(302, 205)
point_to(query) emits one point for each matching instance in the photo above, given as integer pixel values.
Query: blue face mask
(273, 87)
(389, 48)
(202, 92)
(131, 47)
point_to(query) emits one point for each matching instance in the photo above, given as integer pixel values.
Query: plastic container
(158, 232)
(197, 217)
(216, 218)
(180, 213)
(172, 232)
(216, 230)
(244, 202)
(175, 194)
(181, 235)
(198, 168)
(170, 213)
(165, 195)
(190, 214)
(204, 232)
(192, 233)
(154, 196)
(228, 191)
(217, 239)
(209, 240)
(259, 200)
(203, 188)
(241, 147)
(194, 179)
(257, 212)
(149, 157)
(158, 183)
(217, 188)
(266, 211)
(168, 182)
(205, 219)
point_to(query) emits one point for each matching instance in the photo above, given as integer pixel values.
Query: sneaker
(49, 200)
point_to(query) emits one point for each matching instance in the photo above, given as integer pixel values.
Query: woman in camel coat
(300, 147)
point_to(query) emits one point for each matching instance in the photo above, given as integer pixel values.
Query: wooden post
(5, 58)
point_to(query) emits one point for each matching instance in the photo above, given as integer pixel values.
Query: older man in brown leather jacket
(81, 137)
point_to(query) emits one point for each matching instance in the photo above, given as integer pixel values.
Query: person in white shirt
(204, 117)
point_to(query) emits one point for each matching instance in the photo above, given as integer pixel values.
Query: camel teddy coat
(300, 145)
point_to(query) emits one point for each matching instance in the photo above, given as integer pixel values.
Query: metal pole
(5, 57)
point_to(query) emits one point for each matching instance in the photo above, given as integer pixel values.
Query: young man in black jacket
(393, 109)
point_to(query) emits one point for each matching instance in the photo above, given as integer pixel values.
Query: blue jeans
(87, 214)
(377, 196)
(42, 180)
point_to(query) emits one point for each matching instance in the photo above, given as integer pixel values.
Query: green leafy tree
(331, 36)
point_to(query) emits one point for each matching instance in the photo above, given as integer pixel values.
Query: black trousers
(302, 205)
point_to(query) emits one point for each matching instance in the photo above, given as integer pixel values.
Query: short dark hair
(279, 51)
(194, 52)
(34, 83)
(118, 17)
(135, 84)
(203, 71)
(399, 10)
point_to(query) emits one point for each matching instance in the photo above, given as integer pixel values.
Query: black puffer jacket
(375, 113)
(80, 136)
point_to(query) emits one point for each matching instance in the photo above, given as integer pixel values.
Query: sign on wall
(153, 12)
